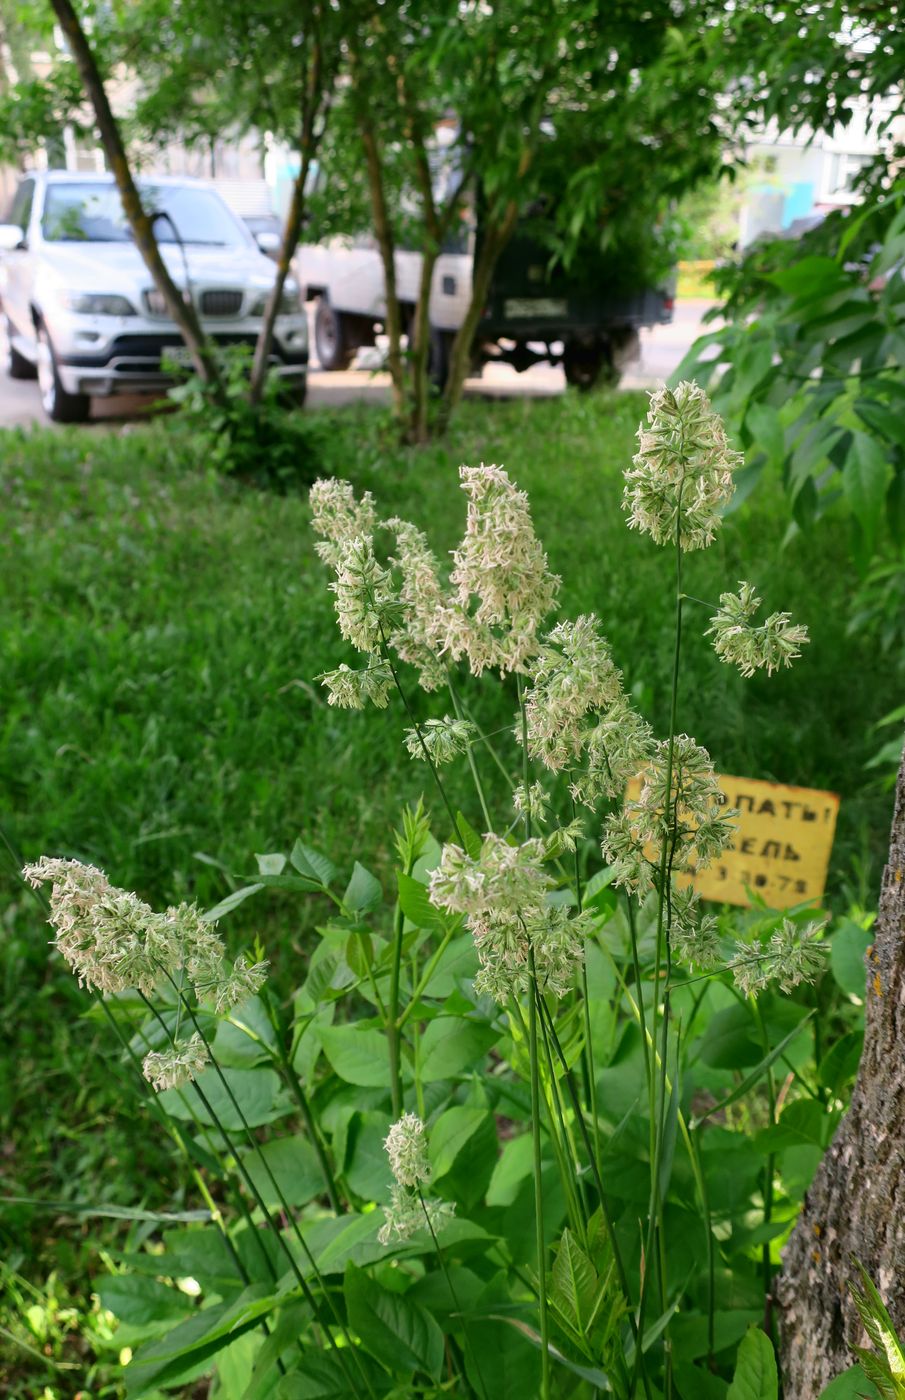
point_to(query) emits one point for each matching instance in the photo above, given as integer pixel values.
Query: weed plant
(543, 1122)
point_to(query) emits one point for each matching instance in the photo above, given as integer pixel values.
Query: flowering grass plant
(530, 1138)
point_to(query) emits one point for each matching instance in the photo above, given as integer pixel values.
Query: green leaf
(766, 431)
(469, 837)
(450, 1134)
(358, 1054)
(256, 1091)
(810, 277)
(754, 1077)
(238, 1041)
(368, 1171)
(363, 892)
(322, 1376)
(186, 1352)
(414, 902)
(755, 1370)
(143, 1302)
(451, 1043)
(848, 948)
(309, 862)
(804, 1122)
(293, 1164)
(273, 864)
(731, 1040)
(574, 1282)
(232, 901)
(851, 1385)
(840, 1064)
(864, 480)
(394, 1330)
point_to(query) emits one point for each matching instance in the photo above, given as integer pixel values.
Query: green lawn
(160, 718)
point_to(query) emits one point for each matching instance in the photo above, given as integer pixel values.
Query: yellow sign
(781, 850)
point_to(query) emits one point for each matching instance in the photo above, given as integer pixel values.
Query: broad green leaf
(308, 1040)
(232, 901)
(864, 479)
(804, 1122)
(357, 1054)
(851, 1385)
(143, 1302)
(574, 1282)
(414, 902)
(244, 1039)
(731, 1041)
(810, 277)
(396, 1331)
(450, 1134)
(451, 1043)
(292, 1164)
(186, 1352)
(363, 892)
(755, 1369)
(840, 1064)
(309, 862)
(257, 1093)
(515, 1164)
(763, 424)
(322, 1375)
(272, 864)
(750, 1080)
(468, 836)
(848, 948)
(368, 1167)
(459, 961)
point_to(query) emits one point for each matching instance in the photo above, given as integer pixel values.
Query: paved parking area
(662, 350)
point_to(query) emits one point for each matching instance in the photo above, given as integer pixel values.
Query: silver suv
(82, 312)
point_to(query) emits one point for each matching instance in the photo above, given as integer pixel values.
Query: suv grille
(221, 303)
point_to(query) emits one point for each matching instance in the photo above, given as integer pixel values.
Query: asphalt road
(661, 351)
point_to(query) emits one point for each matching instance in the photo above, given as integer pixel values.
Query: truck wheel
(17, 367)
(330, 338)
(438, 357)
(59, 406)
(587, 365)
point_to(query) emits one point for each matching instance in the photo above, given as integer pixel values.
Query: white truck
(82, 312)
(586, 320)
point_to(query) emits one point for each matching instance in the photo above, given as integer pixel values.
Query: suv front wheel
(17, 365)
(59, 406)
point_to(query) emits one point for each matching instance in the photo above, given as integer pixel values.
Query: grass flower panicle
(793, 955)
(177, 1065)
(502, 585)
(531, 802)
(573, 675)
(349, 689)
(683, 470)
(694, 937)
(409, 1212)
(503, 896)
(424, 604)
(366, 603)
(406, 1147)
(691, 815)
(339, 517)
(618, 745)
(114, 942)
(444, 739)
(777, 642)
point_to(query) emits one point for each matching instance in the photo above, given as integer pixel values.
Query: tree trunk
(856, 1204)
(387, 245)
(293, 226)
(182, 313)
(495, 240)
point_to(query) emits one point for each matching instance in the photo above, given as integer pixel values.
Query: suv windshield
(93, 213)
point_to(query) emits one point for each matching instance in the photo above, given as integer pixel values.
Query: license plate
(178, 355)
(519, 308)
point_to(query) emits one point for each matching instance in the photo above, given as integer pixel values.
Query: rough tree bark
(856, 1204)
(312, 101)
(182, 313)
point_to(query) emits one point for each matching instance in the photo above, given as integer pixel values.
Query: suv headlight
(97, 304)
(290, 302)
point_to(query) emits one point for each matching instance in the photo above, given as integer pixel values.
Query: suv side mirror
(11, 237)
(268, 242)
